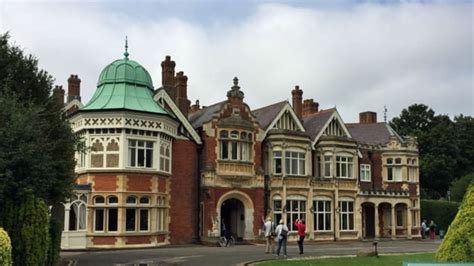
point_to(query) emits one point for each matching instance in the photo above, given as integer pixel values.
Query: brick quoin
(105, 183)
(103, 240)
(184, 189)
(82, 180)
(132, 240)
(139, 182)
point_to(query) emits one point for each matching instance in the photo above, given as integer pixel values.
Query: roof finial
(126, 48)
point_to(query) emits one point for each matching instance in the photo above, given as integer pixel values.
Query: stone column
(283, 201)
(394, 232)
(336, 211)
(409, 225)
(67, 209)
(309, 214)
(376, 223)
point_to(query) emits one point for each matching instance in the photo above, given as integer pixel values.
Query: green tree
(458, 187)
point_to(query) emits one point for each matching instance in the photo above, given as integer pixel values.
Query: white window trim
(345, 199)
(324, 212)
(365, 168)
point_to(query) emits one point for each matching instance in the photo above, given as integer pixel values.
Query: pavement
(238, 254)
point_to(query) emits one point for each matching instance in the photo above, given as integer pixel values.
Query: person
(424, 228)
(268, 230)
(432, 230)
(281, 234)
(300, 226)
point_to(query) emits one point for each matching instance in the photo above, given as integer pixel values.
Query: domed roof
(124, 84)
(125, 71)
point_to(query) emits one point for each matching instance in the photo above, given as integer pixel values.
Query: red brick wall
(105, 183)
(184, 189)
(139, 183)
(103, 240)
(162, 184)
(209, 151)
(375, 161)
(133, 240)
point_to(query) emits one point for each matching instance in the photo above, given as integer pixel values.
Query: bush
(28, 230)
(55, 230)
(458, 187)
(440, 211)
(459, 243)
(5, 248)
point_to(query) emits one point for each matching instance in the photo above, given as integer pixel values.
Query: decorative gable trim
(336, 117)
(287, 109)
(161, 95)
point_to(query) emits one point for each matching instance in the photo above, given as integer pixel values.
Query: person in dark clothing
(300, 226)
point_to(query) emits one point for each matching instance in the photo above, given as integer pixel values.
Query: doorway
(233, 218)
(368, 213)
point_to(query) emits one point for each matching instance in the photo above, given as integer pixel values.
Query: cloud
(357, 58)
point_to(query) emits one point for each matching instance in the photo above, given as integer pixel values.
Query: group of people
(431, 229)
(280, 234)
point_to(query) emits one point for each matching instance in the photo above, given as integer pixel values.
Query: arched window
(105, 215)
(131, 200)
(97, 154)
(137, 216)
(99, 200)
(112, 200)
(77, 216)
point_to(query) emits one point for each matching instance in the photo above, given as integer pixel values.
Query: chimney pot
(367, 117)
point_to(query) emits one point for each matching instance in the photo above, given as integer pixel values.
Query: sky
(354, 55)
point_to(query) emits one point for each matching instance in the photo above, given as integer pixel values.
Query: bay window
(140, 153)
(295, 163)
(322, 213)
(295, 209)
(137, 216)
(236, 146)
(277, 162)
(344, 166)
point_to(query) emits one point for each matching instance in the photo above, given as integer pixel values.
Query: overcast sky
(354, 55)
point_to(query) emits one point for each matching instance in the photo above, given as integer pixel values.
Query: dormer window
(236, 146)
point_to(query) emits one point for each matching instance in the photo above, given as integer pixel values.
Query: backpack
(284, 232)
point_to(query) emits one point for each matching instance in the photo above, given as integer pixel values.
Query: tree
(38, 145)
(36, 154)
(458, 187)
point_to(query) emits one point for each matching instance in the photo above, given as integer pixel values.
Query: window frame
(347, 214)
(325, 212)
(290, 212)
(365, 173)
(134, 150)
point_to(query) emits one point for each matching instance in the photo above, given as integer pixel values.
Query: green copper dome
(127, 71)
(124, 84)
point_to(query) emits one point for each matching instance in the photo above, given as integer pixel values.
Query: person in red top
(299, 224)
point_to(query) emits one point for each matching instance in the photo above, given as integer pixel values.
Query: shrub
(459, 243)
(458, 187)
(5, 248)
(55, 230)
(440, 211)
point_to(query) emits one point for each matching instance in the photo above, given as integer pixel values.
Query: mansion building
(157, 170)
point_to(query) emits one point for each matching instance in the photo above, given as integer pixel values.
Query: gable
(165, 100)
(333, 127)
(286, 119)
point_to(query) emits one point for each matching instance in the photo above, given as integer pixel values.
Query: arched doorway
(368, 218)
(233, 217)
(238, 214)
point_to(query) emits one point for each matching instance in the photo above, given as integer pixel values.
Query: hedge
(5, 249)
(440, 211)
(55, 230)
(459, 243)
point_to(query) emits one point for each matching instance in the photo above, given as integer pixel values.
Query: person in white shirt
(268, 227)
(282, 235)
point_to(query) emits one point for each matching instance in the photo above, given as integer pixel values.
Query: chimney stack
(310, 107)
(167, 76)
(195, 107)
(73, 88)
(297, 96)
(367, 117)
(58, 95)
(181, 93)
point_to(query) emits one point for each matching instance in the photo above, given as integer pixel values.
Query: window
(399, 217)
(277, 162)
(388, 217)
(411, 164)
(97, 154)
(140, 153)
(295, 209)
(137, 218)
(277, 211)
(346, 215)
(77, 214)
(161, 213)
(106, 217)
(344, 166)
(322, 214)
(105, 152)
(295, 163)
(236, 147)
(328, 166)
(365, 172)
(165, 157)
(394, 171)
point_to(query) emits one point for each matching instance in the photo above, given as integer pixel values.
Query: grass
(388, 260)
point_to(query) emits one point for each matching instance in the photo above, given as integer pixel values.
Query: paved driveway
(240, 254)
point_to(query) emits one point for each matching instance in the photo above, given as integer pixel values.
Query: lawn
(355, 261)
